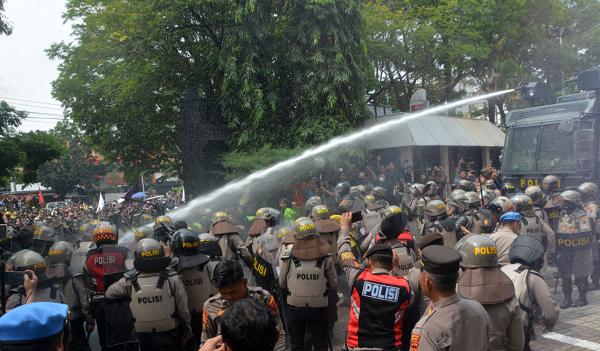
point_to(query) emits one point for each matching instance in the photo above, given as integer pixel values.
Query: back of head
(527, 250)
(249, 326)
(227, 272)
(105, 233)
(150, 256)
(477, 251)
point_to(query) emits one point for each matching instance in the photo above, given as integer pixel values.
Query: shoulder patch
(414, 341)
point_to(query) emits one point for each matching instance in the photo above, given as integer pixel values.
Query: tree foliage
(77, 165)
(279, 72)
(5, 27)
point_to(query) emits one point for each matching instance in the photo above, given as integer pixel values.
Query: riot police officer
(473, 205)
(65, 264)
(574, 248)
(552, 205)
(195, 270)
(310, 203)
(261, 235)
(36, 287)
(158, 299)
(432, 190)
(163, 226)
(307, 276)
(526, 259)
(536, 195)
(532, 224)
(441, 223)
(485, 283)
(391, 228)
(345, 201)
(141, 233)
(106, 257)
(228, 236)
(589, 192)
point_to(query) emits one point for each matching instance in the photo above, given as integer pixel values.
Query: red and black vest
(377, 311)
(104, 260)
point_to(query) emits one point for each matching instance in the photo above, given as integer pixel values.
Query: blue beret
(33, 321)
(510, 217)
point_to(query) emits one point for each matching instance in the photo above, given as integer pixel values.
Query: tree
(37, 148)
(10, 153)
(76, 166)
(5, 27)
(283, 73)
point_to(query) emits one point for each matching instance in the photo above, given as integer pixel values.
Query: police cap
(510, 217)
(32, 322)
(438, 259)
(380, 250)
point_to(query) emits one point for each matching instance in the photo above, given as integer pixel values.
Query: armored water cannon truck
(560, 139)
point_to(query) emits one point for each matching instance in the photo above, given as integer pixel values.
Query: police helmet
(435, 209)
(209, 245)
(391, 226)
(503, 204)
(219, 216)
(472, 199)
(281, 232)
(319, 212)
(588, 190)
(490, 185)
(267, 213)
(369, 199)
(342, 189)
(477, 251)
(465, 185)
(141, 233)
(28, 259)
(550, 184)
(304, 228)
(458, 199)
(185, 242)
(417, 189)
(535, 194)
(526, 249)
(312, 202)
(44, 232)
(105, 233)
(521, 203)
(391, 210)
(571, 197)
(431, 188)
(162, 219)
(487, 196)
(379, 192)
(60, 253)
(150, 256)
(508, 188)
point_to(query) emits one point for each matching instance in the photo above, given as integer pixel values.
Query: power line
(44, 113)
(35, 102)
(44, 107)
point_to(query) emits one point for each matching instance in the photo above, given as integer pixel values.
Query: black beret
(392, 226)
(380, 250)
(431, 239)
(440, 259)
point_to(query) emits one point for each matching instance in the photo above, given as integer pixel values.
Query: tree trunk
(201, 142)
(491, 110)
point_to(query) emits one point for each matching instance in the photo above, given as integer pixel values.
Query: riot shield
(119, 323)
(118, 320)
(264, 275)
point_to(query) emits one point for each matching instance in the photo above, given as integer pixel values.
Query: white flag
(100, 203)
(183, 195)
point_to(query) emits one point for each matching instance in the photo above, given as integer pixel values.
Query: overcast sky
(25, 71)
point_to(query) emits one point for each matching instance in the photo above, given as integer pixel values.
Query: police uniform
(484, 282)
(535, 226)
(34, 323)
(504, 237)
(552, 209)
(593, 211)
(215, 306)
(232, 246)
(379, 301)
(415, 272)
(451, 323)
(574, 251)
(158, 299)
(307, 277)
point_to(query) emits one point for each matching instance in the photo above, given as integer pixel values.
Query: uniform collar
(454, 298)
(380, 271)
